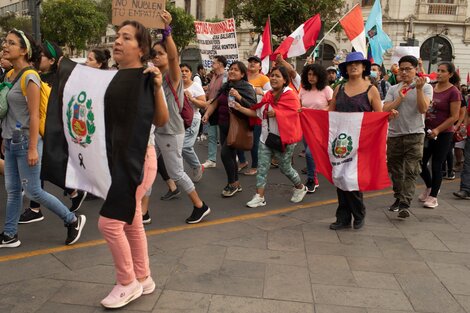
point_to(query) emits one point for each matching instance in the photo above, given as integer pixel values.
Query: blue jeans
(254, 150)
(310, 162)
(190, 136)
(465, 175)
(212, 134)
(19, 175)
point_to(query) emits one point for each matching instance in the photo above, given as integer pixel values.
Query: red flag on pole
(265, 49)
(353, 25)
(301, 39)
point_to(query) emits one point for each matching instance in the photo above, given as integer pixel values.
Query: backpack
(45, 91)
(5, 87)
(187, 111)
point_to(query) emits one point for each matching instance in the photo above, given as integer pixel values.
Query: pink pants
(128, 243)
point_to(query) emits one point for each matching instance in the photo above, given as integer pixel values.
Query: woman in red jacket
(280, 133)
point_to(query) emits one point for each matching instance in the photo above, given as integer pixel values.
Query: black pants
(449, 161)
(350, 204)
(228, 155)
(437, 149)
(162, 169)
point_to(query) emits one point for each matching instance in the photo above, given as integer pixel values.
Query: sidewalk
(285, 263)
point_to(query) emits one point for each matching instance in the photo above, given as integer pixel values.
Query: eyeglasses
(9, 43)
(405, 69)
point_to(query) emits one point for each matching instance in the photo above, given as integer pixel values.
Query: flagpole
(270, 40)
(324, 36)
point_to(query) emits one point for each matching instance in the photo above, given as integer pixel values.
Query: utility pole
(34, 6)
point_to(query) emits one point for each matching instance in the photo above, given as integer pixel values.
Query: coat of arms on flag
(80, 119)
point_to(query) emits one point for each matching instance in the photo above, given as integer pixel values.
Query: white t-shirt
(197, 80)
(196, 91)
(297, 81)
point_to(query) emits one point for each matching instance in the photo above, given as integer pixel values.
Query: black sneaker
(230, 190)
(462, 194)
(78, 200)
(198, 214)
(9, 242)
(29, 216)
(74, 230)
(404, 211)
(394, 206)
(357, 224)
(146, 219)
(450, 176)
(311, 186)
(171, 194)
(339, 225)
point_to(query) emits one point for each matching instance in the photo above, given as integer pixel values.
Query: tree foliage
(72, 23)
(10, 21)
(286, 15)
(182, 26)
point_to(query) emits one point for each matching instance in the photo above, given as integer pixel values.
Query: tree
(182, 26)
(286, 15)
(72, 23)
(10, 21)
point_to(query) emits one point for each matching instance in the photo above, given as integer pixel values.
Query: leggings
(437, 149)
(229, 156)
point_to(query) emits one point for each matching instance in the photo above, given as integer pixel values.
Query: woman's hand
(271, 114)
(188, 95)
(433, 134)
(166, 17)
(205, 119)
(237, 106)
(33, 156)
(233, 92)
(158, 78)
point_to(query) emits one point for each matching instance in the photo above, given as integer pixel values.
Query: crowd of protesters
(428, 126)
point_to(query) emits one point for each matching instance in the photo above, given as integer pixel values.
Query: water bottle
(231, 100)
(17, 136)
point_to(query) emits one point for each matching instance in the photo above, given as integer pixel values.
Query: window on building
(367, 3)
(187, 6)
(441, 1)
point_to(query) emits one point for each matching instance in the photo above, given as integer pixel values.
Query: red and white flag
(349, 149)
(301, 39)
(264, 49)
(353, 25)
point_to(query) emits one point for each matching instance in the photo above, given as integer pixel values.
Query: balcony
(442, 8)
(442, 12)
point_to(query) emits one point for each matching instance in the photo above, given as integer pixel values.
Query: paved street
(278, 259)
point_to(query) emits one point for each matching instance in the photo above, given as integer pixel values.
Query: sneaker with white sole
(74, 230)
(198, 214)
(9, 242)
(209, 163)
(431, 202)
(256, 201)
(148, 285)
(424, 195)
(77, 200)
(122, 295)
(299, 194)
(30, 216)
(197, 173)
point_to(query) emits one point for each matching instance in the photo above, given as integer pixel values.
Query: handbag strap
(173, 91)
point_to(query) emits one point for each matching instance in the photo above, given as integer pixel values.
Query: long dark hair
(321, 74)
(52, 51)
(102, 57)
(455, 78)
(35, 56)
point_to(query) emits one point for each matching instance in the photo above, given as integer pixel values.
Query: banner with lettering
(146, 12)
(217, 39)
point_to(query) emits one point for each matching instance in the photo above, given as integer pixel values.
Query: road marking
(155, 232)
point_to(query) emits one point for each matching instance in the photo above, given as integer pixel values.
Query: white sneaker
(431, 202)
(256, 201)
(209, 164)
(424, 195)
(122, 295)
(148, 285)
(299, 194)
(197, 173)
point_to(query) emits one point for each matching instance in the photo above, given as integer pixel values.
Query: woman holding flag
(356, 95)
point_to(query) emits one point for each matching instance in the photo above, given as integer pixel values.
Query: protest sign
(217, 39)
(146, 12)
(401, 51)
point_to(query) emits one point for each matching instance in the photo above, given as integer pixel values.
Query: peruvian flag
(265, 49)
(349, 149)
(301, 39)
(353, 25)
